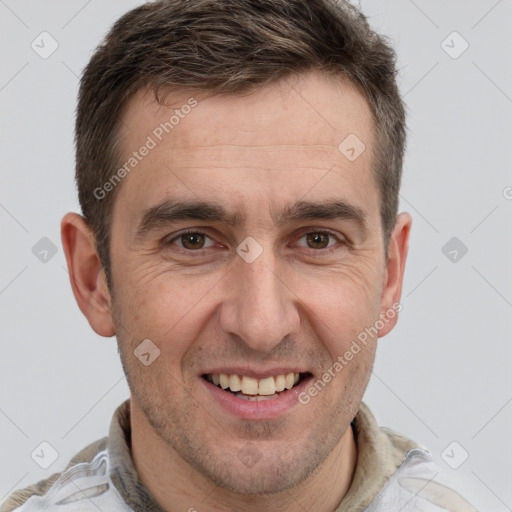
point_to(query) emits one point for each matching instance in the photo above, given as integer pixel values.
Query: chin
(268, 479)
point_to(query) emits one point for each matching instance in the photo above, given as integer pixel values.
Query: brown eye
(192, 240)
(318, 240)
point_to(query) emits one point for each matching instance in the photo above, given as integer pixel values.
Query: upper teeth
(252, 386)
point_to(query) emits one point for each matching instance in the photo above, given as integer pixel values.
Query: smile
(252, 389)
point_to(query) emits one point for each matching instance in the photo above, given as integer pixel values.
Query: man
(238, 168)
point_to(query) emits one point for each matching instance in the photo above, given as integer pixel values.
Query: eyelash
(200, 232)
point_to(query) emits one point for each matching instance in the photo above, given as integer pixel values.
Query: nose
(261, 307)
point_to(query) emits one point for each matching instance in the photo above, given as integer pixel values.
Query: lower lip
(252, 410)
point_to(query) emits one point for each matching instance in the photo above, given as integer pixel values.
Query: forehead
(331, 106)
(281, 139)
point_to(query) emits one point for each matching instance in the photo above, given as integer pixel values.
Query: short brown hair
(229, 47)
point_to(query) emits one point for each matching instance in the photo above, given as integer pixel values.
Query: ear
(394, 274)
(86, 274)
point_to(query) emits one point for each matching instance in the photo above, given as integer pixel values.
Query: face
(245, 243)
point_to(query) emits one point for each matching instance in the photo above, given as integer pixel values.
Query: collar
(380, 451)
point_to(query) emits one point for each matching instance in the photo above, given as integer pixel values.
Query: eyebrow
(171, 210)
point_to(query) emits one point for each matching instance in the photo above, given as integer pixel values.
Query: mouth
(256, 390)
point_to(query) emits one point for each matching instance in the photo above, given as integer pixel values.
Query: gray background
(442, 375)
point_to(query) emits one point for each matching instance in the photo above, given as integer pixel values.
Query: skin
(299, 303)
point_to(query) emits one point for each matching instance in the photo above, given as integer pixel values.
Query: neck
(178, 486)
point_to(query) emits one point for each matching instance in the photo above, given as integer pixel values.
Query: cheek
(341, 306)
(162, 305)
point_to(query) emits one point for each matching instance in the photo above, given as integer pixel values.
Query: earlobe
(394, 274)
(86, 274)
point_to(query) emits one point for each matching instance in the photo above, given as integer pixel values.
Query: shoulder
(61, 488)
(420, 485)
(88, 482)
(396, 473)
